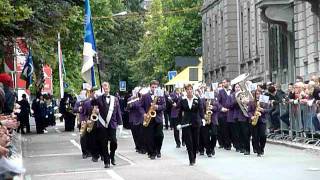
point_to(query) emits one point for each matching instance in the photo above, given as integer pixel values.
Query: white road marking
(125, 159)
(111, 173)
(117, 154)
(66, 173)
(74, 134)
(51, 155)
(75, 144)
(57, 130)
(114, 175)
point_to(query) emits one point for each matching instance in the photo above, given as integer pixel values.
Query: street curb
(294, 145)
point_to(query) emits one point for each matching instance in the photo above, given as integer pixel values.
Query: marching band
(228, 114)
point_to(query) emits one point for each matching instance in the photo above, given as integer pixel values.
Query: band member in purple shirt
(109, 117)
(154, 131)
(261, 112)
(135, 119)
(174, 98)
(223, 95)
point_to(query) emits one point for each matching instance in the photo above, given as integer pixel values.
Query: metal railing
(298, 123)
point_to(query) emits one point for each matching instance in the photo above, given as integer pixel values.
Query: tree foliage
(136, 47)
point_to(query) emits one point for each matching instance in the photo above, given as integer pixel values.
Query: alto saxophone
(207, 116)
(151, 112)
(256, 115)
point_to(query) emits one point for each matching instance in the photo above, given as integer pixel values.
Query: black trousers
(167, 119)
(69, 121)
(259, 137)
(231, 135)
(84, 144)
(222, 131)
(39, 124)
(102, 138)
(176, 132)
(24, 123)
(210, 137)
(137, 134)
(154, 137)
(191, 137)
(244, 135)
(203, 136)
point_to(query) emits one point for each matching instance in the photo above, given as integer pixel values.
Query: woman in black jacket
(191, 113)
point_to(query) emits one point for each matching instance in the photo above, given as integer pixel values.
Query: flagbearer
(109, 117)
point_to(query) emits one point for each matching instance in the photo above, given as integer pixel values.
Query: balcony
(277, 12)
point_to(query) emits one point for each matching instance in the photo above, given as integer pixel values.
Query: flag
(27, 70)
(89, 48)
(61, 68)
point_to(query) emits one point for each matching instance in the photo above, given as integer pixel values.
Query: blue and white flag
(89, 48)
(27, 70)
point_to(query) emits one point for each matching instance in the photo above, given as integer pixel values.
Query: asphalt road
(57, 155)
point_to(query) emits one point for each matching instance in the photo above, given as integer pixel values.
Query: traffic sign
(122, 85)
(172, 74)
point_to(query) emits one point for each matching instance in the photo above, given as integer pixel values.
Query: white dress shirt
(190, 101)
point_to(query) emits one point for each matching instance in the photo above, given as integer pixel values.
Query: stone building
(273, 40)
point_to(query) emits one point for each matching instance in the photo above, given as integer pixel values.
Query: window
(273, 46)
(193, 74)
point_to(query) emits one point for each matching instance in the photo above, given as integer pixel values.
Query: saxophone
(151, 112)
(92, 120)
(256, 115)
(208, 113)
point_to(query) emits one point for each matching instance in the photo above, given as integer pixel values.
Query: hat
(6, 80)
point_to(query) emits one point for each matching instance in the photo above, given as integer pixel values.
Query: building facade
(273, 40)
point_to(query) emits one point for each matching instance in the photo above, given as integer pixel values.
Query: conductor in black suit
(191, 112)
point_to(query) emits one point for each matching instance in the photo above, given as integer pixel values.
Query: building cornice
(207, 6)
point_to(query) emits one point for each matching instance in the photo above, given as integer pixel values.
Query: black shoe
(85, 156)
(254, 151)
(259, 155)
(191, 164)
(102, 158)
(107, 166)
(220, 147)
(178, 146)
(142, 152)
(113, 162)
(238, 150)
(213, 152)
(246, 153)
(209, 155)
(201, 153)
(242, 151)
(152, 157)
(262, 153)
(94, 159)
(228, 148)
(183, 144)
(159, 155)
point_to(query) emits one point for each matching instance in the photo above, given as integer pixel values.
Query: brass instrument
(244, 96)
(151, 112)
(256, 115)
(92, 120)
(207, 115)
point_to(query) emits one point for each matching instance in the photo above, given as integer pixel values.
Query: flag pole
(60, 68)
(98, 65)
